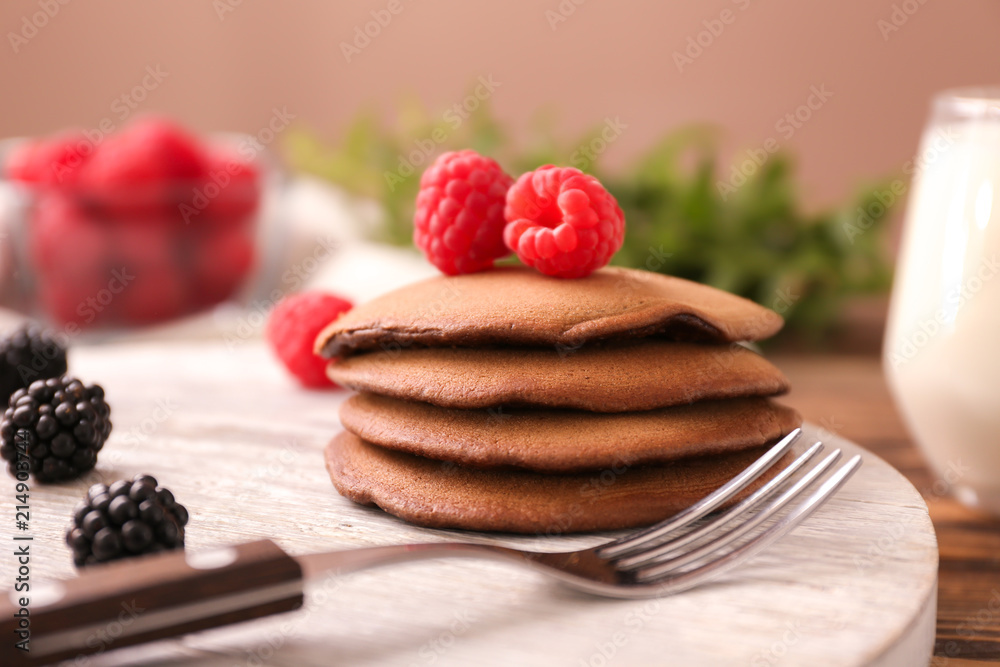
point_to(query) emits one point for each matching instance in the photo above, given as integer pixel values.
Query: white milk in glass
(942, 347)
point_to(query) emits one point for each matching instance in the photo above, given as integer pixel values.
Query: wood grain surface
(240, 446)
(846, 394)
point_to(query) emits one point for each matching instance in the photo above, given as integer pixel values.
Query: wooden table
(846, 394)
(255, 439)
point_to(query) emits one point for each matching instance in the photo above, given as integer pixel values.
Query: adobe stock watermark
(254, 144)
(273, 639)
(95, 304)
(985, 618)
(783, 299)
(273, 468)
(891, 533)
(292, 280)
(562, 12)
(31, 25)
(103, 639)
(585, 156)
(829, 427)
(698, 43)
(900, 15)
(776, 652)
(88, 309)
(141, 431)
(604, 652)
(589, 492)
(129, 101)
(972, 627)
(656, 259)
(927, 329)
(932, 148)
(786, 126)
(121, 108)
(887, 542)
(726, 358)
(497, 414)
(249, 148)
(446, 297)
(224, 7)
(432, 650)
(370, 30)
(453, 117)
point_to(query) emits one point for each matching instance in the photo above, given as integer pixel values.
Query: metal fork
(180, 593)
(661, 559)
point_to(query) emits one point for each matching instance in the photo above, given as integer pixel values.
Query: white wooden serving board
(241, 446)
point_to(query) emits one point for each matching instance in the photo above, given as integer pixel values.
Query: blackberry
(126, 519)
(29, 353)
(58, 425)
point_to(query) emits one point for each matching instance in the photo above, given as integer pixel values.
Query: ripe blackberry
(29, 353)
(126, 519)
(58, 425)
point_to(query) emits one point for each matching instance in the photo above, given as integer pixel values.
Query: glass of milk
(942, 345)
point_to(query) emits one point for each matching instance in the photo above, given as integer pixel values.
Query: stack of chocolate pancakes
(510, 401)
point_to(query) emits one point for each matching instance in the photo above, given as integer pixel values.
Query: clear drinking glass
(941, 352)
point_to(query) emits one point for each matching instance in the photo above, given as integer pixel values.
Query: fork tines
(677, 554)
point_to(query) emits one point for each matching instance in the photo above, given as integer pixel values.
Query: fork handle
(154, 597)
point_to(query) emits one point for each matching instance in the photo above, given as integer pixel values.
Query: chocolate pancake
(614, 377)
(520, 306)
(442, 495)
(559, 441)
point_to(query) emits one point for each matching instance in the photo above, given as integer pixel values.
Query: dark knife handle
(154, 597)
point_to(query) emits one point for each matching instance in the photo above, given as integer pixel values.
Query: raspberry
(562, 222)
(64, 300)
(292, 330)
(222, 259)
(151, 295)
(22, 163)
(138, 247)
(145, 171)
(55, 161)
(66, 155)
(64, 239)
(236, 189)
(459, 218)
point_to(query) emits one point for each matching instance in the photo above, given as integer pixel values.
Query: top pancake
(520, 306)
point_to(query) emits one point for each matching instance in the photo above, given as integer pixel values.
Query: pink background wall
(607, 59)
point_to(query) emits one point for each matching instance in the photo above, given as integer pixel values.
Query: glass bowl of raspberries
(130, 228)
